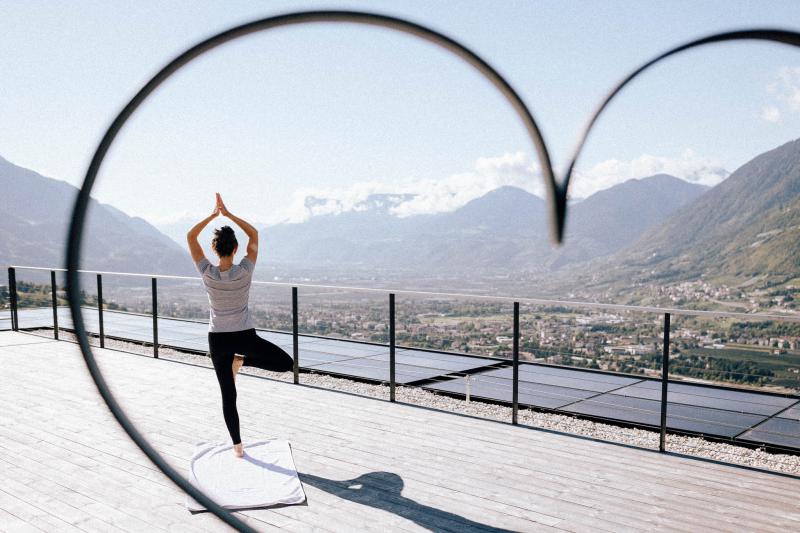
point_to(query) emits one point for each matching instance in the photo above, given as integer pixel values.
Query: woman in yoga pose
(232, 338)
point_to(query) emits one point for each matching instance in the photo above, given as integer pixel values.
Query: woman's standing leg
(222, 359)
(261, 353)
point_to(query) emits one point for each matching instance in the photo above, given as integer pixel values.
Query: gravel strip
(643, 438)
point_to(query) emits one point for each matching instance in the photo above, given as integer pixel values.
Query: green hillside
(744, 230)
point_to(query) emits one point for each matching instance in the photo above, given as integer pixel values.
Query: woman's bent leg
(263, 354)
(223, 368)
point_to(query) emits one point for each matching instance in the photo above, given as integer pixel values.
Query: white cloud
(688, 166)
(428, 196)
(785, 90)
(787, 87)
(770, 113)
(314, 201)
(487, 174)
(431, 195)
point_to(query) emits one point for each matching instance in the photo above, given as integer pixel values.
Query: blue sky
(343, 111)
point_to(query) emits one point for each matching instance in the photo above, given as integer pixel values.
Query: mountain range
(656, 229)
(504, 229)
(34, 220)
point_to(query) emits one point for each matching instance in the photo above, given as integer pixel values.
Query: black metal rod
(100, 310)
(391, 348)
(12, 293)
(295, 338)
(515, 379)
(662, 444)
(53, 290)
(155, 317)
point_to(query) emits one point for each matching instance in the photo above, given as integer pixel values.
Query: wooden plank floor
(366, 464)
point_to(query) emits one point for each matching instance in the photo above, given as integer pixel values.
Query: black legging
(257, 352)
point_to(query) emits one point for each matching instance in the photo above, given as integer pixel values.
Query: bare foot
(237, 364)
(238, 450)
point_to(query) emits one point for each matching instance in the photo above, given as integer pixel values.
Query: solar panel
(376, 370)
(749, 402)
(168, 327)
(179, 323)
(140, 335)
(193, 344)
(350, 349)
(531, 368)
(444, 364)
(447, 356)
(169, 335)
(775, 431)
(35, 317)
(562, 377)
(791, 413)
(311, 358)
(704, 420)
(500, 389)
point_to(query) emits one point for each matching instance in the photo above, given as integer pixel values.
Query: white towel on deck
(264, 477)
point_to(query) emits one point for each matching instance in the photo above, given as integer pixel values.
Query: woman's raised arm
(191, 238)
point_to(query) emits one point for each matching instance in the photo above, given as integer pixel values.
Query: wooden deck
(366, 464)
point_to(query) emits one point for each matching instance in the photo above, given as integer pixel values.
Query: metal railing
(665, 312)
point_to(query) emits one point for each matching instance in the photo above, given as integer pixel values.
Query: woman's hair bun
(224, 241)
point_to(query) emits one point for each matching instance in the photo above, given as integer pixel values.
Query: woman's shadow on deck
(383, 490)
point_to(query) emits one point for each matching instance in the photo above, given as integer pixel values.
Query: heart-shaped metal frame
(82, 202)
(557, 192)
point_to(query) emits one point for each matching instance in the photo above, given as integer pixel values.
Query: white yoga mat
(264, 477)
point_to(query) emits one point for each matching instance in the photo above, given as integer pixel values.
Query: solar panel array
(754, 417)
(713, 411)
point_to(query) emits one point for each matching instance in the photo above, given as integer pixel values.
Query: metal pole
(295, 338)
(100, 310)
(662, 444)
(515, 379)
(391, 347)
(12, 289)
(55, 303)
(155, 317)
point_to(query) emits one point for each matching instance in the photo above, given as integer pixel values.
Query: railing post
(391, 347)
(662, 443)
(155, 317)
(53, 290)
(12, 293)
(100, 310)
(295, 338)
(515, 379)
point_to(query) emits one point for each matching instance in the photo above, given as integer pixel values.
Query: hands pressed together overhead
(219, 208)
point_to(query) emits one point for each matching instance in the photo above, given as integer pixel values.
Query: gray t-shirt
(228, 294)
